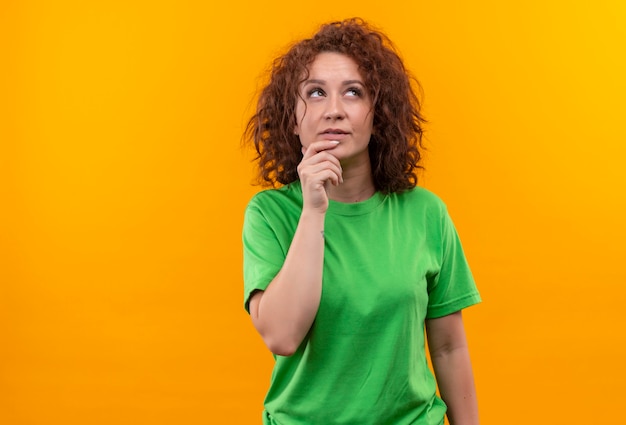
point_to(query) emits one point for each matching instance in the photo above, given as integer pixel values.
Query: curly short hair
(396, 143)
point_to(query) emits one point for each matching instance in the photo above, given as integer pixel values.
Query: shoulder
(284, 196)
(420, 198)
(277, 207)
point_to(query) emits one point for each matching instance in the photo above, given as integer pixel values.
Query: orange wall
(122, 187)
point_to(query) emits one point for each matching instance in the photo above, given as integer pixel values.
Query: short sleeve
(263, 255)
(453, 287)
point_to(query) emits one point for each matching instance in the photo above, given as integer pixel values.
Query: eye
(315, 92)
(354, 91)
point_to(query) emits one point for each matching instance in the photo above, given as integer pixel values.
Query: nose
(334, 109)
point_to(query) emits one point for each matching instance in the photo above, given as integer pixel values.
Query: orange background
(122, 188)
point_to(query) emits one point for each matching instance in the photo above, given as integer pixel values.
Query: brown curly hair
(396, 141)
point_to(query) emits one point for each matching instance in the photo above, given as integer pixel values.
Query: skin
(335, 106)
(451, 361)
(336, 165)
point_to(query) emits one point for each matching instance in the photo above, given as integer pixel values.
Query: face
(334, 105)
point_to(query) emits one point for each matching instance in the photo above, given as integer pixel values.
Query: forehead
(331, 64)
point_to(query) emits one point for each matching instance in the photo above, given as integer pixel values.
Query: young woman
(347, 263)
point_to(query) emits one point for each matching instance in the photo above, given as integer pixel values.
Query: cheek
(305, 125)
(299, 117)
(368, 121)
(301, 108)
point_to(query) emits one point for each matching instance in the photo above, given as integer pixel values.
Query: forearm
(288, 306)
(456, 385)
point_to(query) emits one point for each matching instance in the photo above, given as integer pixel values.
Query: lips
(334, 134)
(334, 131)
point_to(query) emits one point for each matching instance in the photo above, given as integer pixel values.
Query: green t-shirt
(390, 262)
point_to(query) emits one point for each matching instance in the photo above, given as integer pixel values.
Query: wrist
(313, 216)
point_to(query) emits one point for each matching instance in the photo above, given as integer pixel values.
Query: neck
(357, 186)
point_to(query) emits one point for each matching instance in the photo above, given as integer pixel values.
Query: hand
(318, 169)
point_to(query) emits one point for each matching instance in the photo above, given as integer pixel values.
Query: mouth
(332, 131)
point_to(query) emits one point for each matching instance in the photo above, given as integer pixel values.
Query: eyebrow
(343, 83)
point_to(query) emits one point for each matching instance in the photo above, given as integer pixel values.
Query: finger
(318, 158)
(314, 175)
(320, 146)
(324, 178)
(317, 164)
(312, 169)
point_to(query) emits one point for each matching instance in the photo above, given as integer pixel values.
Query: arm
(284, 312)
(453, 370)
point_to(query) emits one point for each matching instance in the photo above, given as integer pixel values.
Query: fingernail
(334, 142)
